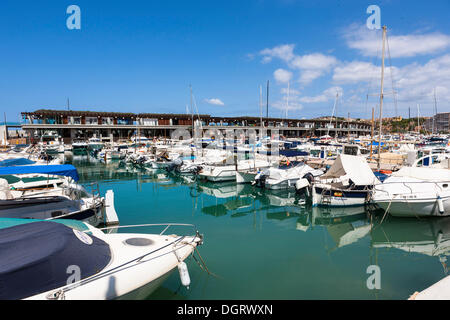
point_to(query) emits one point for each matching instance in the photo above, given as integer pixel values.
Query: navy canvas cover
(35, 257)
(66, 170)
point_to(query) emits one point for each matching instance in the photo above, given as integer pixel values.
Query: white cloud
(368, 42)
(215, 101)
(315, 61)
(355, 71)
(311, 66)
(282, 76)
(284, 52)
(326, 95)
(414, 83)
(309, 76)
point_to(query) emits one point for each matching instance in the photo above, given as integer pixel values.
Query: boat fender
(184, 274)
(440, 204)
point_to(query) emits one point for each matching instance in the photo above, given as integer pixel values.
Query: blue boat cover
(66, 170)
(16, 162)
(39, 256)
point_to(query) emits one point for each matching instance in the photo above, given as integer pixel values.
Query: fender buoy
(440, 204)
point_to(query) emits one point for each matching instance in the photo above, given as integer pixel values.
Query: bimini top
(351, 167)
(16, 162)
(37, 257)
(66, 170)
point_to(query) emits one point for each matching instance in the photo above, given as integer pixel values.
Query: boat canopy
(66, 170)
(36, 257)
(350, 167)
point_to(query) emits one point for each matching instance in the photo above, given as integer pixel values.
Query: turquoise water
(266, 245)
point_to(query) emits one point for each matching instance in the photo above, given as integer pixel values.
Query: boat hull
(219, 178)
(338, 198)
(415, 208)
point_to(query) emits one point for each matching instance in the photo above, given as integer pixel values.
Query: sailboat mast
(287, 101)
(371, 135)
(267, 104)
(381, 96)
(260, 106)
(435, 109)
(332, 115)
(418, 119)
(192, 110)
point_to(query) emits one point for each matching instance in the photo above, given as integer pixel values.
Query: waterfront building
(114, 126)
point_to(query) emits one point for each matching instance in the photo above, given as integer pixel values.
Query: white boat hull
(415, 208)
(245, 177)
(356, 199)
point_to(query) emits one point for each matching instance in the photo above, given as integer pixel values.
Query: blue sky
(141, 56)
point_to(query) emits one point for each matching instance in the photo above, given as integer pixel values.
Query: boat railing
(165, 227)
(438, 184)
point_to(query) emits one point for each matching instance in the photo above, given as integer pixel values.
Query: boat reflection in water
(430, 237)
(345, 225)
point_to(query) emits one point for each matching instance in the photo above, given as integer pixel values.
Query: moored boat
(83, 263)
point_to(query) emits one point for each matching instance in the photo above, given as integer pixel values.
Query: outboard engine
(260, 179)
(304, 184)
(309, 177)
(175, 164)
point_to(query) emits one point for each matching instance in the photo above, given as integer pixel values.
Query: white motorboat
(227, 172)
(140, 140)
(79, 147)
(46, 260)
(415, 192)
(285, 177)
(48, 192)
(50, 142)
(348, 182)
(95, 144)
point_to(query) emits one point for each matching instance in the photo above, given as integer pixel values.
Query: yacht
(69, 260)
(48, 192)
(79, 147)
(95, 144)
(415, 192)
(227, 172)
(348, 182)
(50, 142)
(285, 176)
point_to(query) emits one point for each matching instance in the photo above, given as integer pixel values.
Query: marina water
(270, 245)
